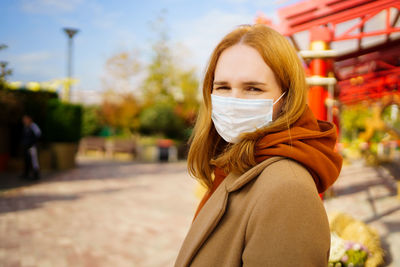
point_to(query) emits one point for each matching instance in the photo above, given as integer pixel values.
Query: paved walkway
(100, 214)
(130, 214)
(370, 195)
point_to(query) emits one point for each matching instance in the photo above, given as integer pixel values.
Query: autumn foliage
(164, 102)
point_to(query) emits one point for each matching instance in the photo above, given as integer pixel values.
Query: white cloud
(202, 34)
(49, 6)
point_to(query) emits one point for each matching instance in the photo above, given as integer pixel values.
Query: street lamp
(70, 33)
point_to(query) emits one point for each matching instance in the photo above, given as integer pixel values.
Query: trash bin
(163, 149)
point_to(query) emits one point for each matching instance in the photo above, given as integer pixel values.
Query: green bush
(353, 120)
(15, 103)
(160, 119)
(90, 121)
(63, 121)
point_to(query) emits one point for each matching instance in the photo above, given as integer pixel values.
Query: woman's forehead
(241, 63)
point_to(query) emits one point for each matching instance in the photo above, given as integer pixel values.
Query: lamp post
(70, 33)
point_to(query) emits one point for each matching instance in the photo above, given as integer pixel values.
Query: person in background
(30, 135)
(263, 157)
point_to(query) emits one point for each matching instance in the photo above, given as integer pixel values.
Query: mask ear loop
(279, 98)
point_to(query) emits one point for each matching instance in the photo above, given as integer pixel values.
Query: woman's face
(242, 73)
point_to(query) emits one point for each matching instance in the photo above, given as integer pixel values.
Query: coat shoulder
(287, 215)
(285, 176)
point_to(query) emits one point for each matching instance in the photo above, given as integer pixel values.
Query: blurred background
(114, 88)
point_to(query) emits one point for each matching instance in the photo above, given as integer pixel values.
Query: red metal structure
(351, 72)
(370, 70)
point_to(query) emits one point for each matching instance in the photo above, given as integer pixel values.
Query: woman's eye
(254, 89)
(222, 88)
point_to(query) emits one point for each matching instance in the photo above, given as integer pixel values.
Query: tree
(162, 78)
(120, 107)
(120, 111)
(161, 119)
(170, 92)
(120, 71)
(353, 121)
(91, 124)
(189, 105)
(4, 71)
(168, 101)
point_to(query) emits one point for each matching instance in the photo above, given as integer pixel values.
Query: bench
(92, 143)
(120, 146)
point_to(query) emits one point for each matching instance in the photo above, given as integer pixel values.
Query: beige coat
(269, 216)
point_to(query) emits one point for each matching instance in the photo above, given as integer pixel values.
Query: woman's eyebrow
(220, 83)
(253, 83)
(245, 83)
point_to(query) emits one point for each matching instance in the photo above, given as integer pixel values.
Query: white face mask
(234, 116)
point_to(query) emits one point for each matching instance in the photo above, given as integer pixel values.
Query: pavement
(369, 194)
(109, 213)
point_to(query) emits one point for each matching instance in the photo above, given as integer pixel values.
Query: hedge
(63, 121)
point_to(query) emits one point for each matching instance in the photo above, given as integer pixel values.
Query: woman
(263, 156)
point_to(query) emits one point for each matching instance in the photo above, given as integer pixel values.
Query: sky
(37, 45)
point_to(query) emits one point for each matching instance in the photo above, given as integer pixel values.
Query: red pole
(320, 38)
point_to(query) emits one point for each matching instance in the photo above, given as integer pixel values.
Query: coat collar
(212, 212)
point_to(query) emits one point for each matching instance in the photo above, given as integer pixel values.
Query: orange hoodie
(309, 142)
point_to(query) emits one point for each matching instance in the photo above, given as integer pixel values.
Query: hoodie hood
(310, 142)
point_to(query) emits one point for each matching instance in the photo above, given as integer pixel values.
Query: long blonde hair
(208, 149)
